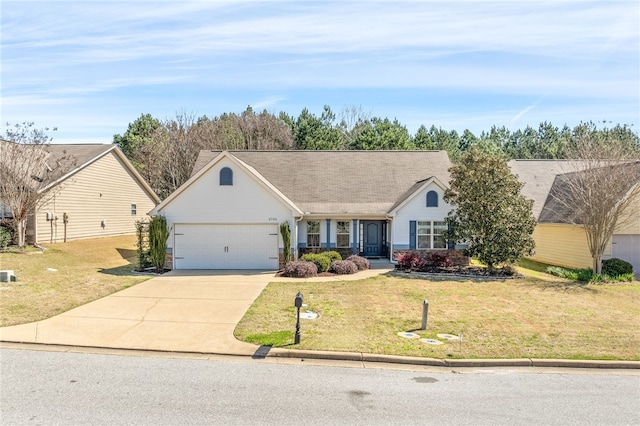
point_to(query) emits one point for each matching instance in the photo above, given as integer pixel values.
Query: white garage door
(627, 247)
(226, 247)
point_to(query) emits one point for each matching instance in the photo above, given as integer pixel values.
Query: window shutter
(432, 199)
(412, 234)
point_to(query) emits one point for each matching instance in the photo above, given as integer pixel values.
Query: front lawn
(65, 276)
(514, 318)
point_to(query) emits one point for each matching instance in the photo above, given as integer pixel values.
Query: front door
(372, 238)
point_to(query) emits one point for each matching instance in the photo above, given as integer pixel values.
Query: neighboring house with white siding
(100, 195)
(558, 241)
(372, 203)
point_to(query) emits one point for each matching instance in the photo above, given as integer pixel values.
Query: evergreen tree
(490, 215)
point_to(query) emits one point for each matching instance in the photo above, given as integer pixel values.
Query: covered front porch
(367, 237)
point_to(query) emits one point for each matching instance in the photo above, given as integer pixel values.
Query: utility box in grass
(7, 276)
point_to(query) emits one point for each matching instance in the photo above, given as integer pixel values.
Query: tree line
(164, 151)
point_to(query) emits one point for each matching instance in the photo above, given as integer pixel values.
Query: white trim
(252, 172)
(422, 187)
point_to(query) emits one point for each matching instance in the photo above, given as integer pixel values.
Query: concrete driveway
(188, 311)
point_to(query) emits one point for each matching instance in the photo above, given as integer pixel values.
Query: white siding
(416, 209)
(104, 190)
(247, 201)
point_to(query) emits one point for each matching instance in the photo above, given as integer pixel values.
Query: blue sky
(90, 68)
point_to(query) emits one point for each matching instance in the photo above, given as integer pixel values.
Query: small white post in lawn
(425, 313)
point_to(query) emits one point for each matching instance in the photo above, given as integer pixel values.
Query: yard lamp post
(298, 305)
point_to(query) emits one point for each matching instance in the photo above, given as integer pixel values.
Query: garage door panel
(627, 247)
(226, 247)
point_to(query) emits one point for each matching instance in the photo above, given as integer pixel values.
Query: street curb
(366, 357)
(434, 362)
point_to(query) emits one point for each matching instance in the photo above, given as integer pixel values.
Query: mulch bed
(462, 270)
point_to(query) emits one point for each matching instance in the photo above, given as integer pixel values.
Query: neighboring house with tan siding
(101, 195)
(559, 242)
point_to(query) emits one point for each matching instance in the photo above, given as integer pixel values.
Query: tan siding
(632, 225)
(562, 245)
(104, 190)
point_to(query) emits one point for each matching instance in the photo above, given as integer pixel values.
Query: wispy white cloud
(158, 52)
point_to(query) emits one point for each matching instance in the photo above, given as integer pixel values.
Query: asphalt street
(43, 387)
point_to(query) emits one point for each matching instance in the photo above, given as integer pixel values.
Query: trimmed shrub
(614, 267)
(158, 235)
(331, 255)
(322, 262)
(300, 269)
(410, 260)
(441, 260)
(5, 237)
(586, 275)
(361, 262)
(343, 267)
(286, 240)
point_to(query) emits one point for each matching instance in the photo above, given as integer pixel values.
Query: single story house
(559, 241)
(101, 194)
(372, 203)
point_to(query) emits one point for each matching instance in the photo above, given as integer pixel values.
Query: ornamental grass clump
(361, 262)
(300, 269)
(343, 267)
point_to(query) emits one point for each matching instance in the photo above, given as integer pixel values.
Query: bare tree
(600, 187)
(27, 172)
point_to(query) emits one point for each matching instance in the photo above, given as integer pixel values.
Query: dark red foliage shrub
(410, 260)
(361, 262)
(300, 269)
(439, 259)
(343, 267)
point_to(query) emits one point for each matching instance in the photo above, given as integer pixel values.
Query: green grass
(498, 319)
(65, 276)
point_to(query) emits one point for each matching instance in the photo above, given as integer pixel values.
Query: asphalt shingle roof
(348, 182)
(545, 181)
(538, 177)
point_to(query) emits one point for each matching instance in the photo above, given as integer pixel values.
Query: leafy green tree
(138, 134)
(447, 141)
(490, 215)
(467, 140)
(378, 134)
(422, 139)
(494, 141)
(316, 133)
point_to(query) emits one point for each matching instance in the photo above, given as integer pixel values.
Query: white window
(313, 233)
(134, 210)
(429, 235)
(342, 237)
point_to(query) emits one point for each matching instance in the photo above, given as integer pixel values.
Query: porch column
(356, 237)
(328, 234)
(391, 236)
